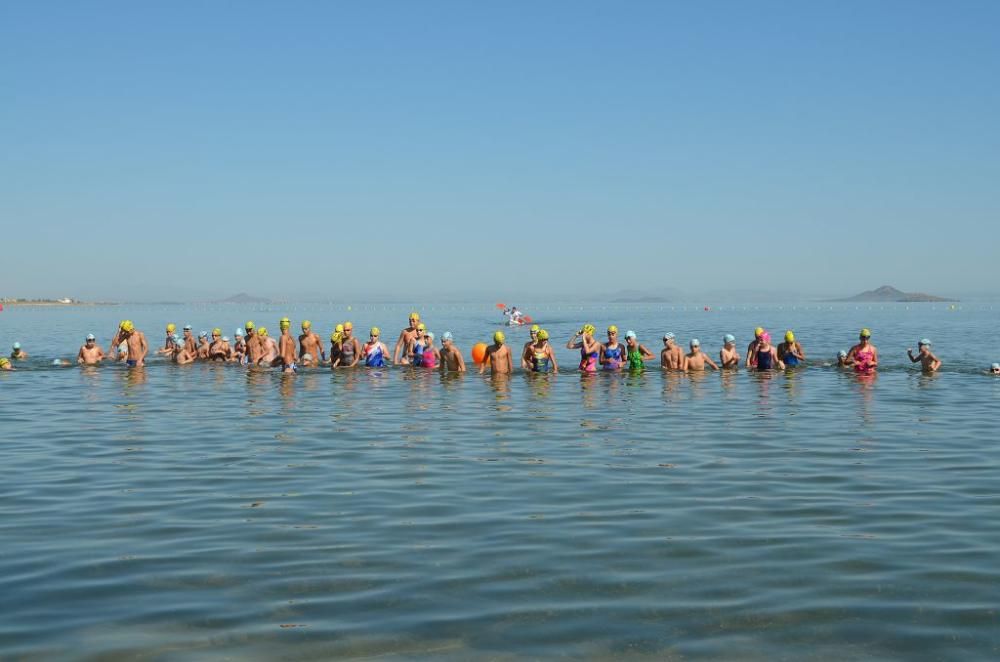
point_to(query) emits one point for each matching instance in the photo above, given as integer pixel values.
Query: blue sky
(194, 150)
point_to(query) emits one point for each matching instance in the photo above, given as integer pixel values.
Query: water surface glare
(207, 511)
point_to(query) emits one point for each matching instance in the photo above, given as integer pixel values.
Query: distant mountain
(243, 297)
(889, 294)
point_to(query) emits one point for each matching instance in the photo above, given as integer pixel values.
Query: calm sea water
(208, 511)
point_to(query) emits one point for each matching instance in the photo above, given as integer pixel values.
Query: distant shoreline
(57, 304)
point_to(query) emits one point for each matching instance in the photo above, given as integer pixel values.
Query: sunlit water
(207, 511)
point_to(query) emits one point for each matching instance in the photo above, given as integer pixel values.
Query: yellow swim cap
(249, 325)
(374, 331)
(348, 325)
(414, 316)
(543, 334)
(127, 326)
(216, 330)
(339, 328)
(612, 329)
(499, 337)
(421, 327)
(589, 328)
(758, 331)
(306, 324)
(4, 361)
(335, 336)
(789, 336)
(262, 331)
(865, 333)
(171, 327)
(535, 327)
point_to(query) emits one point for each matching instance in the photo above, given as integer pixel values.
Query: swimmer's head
(225, 338)
(262, 331)
(842, 354)
(16, 346)
(447, 337)
(758, 332)
(284, 323)
(765, 337)
(669, 335)
(995, 368)
(171, 327)
(588, 329)
(535, 328)
(239, 333)
(203, 334)
(306, 324)
(421, 327)
(924, 342)
(335, 336)
(90, 337)
(865, 333)
(374, 332)
(187, 327)
(216, 331)
(729, 339)
(499, 337)
(630, 335)
(249, 326)
(339, 328)
(4, 362)
(429, 336)
(695, 342)
(127, 326)
(612, 329)
(414, 317)
(543, 334)
(789, 336)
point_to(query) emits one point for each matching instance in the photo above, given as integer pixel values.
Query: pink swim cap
(766, 337)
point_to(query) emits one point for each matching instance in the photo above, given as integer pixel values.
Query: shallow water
(213, 512)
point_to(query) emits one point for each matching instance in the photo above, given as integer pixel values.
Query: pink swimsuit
(863, 360)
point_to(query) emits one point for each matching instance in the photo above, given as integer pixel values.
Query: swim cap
(758, 331)
(338, 328)
(766, 337)
(429, 336)
(842, 354)
(543, 334)
(216, 330)
(446, 336)
(499, 337)
(306, 324)
(334, 337)
(789, 336)
(239, 332)
(171, 327)
(17, 345)
(415, 316)
(588, 328)
(203, 334)
(421, 327)
(375, 331)
(535, 328)
(187, 327)
(90, 336)
(865, 333)
(225, 338)
(924, 341)
(262, 331)
(127, 326)
(695, 342)
(4, 361)
(284, 323)
(348, 325)
(630, 334)
(728, 338)
(995, 366)
(249, 325)
(669, 335)
(612, 329)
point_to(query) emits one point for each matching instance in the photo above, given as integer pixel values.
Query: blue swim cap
(729, 338)
(924, 341)
(17, 345)
(630, 334)
(203, 334)
(842, 354)
(447, 336)
(90, 336)
(669, 335)
(239, 332)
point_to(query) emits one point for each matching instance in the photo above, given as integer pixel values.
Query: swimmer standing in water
(696, 359)
(204, 347)
(451, 356)
(790, 352)
(672, 356)
(350, 348)
(90, 352)
(752, 348)
(590, 349)
(286, 347)
(612, 352)
(765, 356)
(310, 343)
(842, 360)
(928, 362)
(375, 351)
(497, 356)
(431, 356)
(405, 343)
(527, 349)
(268, 348)
(728, 358)
(542, 357)
(189, 342)
(635, 353)
(136, 342)
(168, 343)
(16, 353)
(219, 349)
(864, 355)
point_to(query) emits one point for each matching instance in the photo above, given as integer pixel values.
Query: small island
(889, 294)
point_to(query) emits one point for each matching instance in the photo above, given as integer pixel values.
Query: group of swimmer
(415, 346)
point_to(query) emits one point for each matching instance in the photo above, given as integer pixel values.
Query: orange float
(479, 353)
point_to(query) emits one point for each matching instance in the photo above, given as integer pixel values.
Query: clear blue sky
(189, 150)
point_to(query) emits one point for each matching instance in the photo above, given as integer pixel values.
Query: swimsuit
(347, 353)
(588, 362)
(374, 358)
(429, 360)
(790, 359)
(614, 357)
(131, 363)
(539, 361)
(764, 360)
(863, 360)
(635, 362)
(418, 355)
